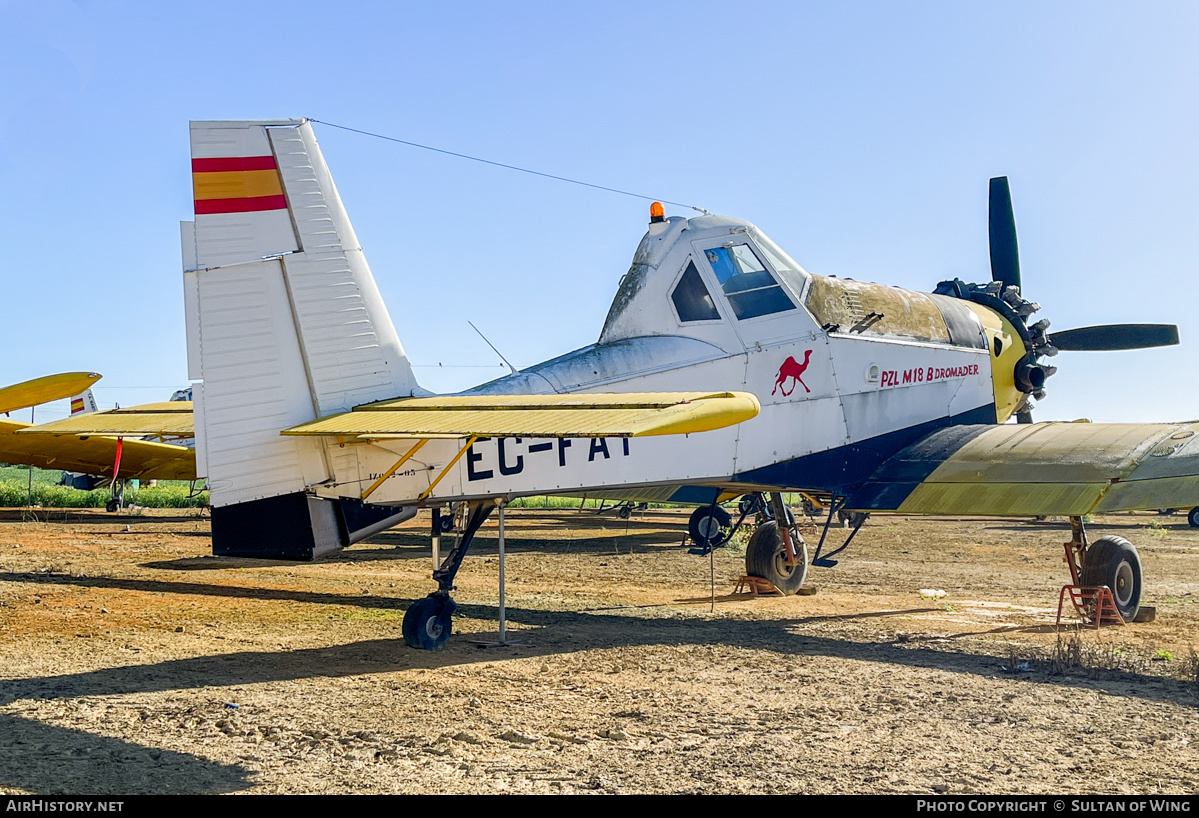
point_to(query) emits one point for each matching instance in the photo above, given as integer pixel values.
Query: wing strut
(447, 468)
(393, 469)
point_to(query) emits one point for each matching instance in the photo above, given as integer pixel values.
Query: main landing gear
(778, 555)
(117, 501)
(427, 622)
(1110, 562)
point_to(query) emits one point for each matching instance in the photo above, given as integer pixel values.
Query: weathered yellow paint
(608, 415)
(45, 389)
(578, 400)
(905, 314)
(1163, 492)
(1003, 366)
(1015, 499)
(1064, 469)
(95, 455)
(168, 419)
(236, 184)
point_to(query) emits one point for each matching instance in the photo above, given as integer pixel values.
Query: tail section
(82, 404)
(284, 324)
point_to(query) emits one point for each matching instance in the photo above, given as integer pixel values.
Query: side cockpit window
(691, 298)
(750, 288)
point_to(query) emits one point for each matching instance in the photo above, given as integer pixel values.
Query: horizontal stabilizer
(578, 415)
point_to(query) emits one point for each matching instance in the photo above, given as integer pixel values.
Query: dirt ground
(132, 661)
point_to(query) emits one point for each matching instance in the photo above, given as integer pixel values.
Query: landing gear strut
(778, 554)
(1110, 562)
(427, 622)
(117, 501)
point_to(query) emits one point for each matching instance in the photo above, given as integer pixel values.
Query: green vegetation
(15, 492)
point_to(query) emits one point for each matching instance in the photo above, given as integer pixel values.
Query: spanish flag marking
(237, 184)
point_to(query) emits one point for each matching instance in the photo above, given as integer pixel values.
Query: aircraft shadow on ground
(406, 546)
(416, 547)
(46, 759)
(604, 630)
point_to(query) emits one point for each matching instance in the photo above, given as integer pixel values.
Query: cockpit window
(749, 286)
(691, 298)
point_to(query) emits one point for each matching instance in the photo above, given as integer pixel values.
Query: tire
(1113, 561)
(766, 556)
(112, 505)
(1193, 517)
(749, 504)
(428, 623)
(710, 526)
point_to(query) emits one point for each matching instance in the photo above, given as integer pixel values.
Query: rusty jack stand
(1095, 604)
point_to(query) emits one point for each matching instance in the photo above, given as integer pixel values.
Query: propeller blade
(1001, 227)
(1116, 336)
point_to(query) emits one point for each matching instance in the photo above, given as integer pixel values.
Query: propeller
(1005, 273)
(1001, 226)
(1116, 336)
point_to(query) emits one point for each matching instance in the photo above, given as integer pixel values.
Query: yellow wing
(43, 390)
(95, 455)
(579, 415)
(167, 420)
(1067, 469)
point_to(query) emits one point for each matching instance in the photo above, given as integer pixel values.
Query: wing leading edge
(1067, 469)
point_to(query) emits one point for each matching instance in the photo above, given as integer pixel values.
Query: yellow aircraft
(106, 455)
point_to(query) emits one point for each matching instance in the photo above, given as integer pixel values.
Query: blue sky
(859, 136)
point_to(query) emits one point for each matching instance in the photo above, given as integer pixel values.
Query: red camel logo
(794, 370)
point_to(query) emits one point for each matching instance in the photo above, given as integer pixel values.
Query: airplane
(109, 458)
(723, 369)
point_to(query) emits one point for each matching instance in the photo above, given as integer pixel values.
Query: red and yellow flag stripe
(237, 184)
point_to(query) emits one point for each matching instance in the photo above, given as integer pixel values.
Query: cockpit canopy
(723, 281)
(698, 276)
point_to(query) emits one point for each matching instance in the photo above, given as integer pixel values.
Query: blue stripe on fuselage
(848, 467)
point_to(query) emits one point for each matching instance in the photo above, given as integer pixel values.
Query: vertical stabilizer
(284, 324)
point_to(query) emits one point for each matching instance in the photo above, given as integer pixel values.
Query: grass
(16, 491)
(1075, 653)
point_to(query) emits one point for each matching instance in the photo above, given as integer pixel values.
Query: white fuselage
(821, 390)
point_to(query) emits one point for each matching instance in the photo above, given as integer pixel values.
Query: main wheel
(710, 526)
(1113, 561)
(428, 623)
(1193, 517)
(766, 557)
(112, 505)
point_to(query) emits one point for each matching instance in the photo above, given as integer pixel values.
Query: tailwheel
(1113, 561)
(766, 557)
(428, 622)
